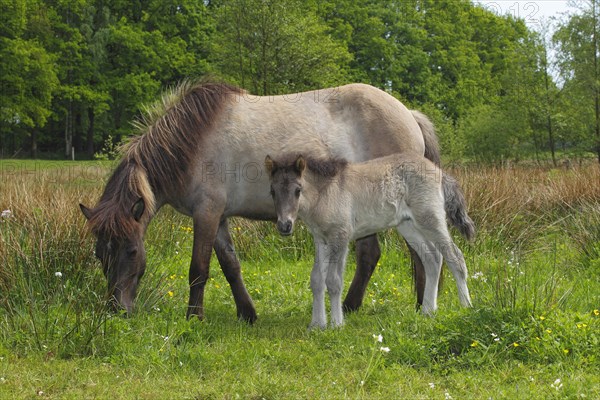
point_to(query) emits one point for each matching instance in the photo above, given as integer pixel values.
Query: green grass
(534, 330)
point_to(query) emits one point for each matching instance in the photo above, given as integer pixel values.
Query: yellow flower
(596, 312)
(548, 330)
(566, 351)
(170, 293)
(542, 318)
(515, 344)
(582, 325)
(475, 343)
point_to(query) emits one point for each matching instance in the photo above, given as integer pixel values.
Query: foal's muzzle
(285, 228)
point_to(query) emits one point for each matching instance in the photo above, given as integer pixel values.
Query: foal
(340, 202)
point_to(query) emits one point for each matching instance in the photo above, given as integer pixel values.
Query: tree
(27, 75)
(276, 46)
(578, 42)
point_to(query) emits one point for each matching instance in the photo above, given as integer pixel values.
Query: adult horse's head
(286, 188)
(119, 222)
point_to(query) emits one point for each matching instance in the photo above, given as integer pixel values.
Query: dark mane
(324, 167)
(327, 168)
(172, 129)
(158, 159)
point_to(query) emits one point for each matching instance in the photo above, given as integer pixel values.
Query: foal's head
(286, 188)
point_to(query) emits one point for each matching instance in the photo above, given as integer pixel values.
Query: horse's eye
(298, 191)
(272, 192)
(131, 252)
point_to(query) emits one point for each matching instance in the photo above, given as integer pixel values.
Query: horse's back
(356, 122)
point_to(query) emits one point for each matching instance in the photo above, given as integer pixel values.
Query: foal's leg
(317, 285)
(367, 255)
(456, 261)
(335, 280)
(230, 266)
(206, 225)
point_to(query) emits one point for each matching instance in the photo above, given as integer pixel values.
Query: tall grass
(532, 224)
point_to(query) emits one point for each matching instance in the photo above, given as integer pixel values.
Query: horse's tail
(432, 147)
(456, 207)
(454, 203)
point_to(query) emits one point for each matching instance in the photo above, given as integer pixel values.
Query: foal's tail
(456, 207)
(432, 147)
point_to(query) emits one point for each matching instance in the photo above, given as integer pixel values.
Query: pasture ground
(534, 330)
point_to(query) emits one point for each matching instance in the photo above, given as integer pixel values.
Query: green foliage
(74, 72)
(276, 47)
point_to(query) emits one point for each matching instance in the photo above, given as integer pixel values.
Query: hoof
(316, 326)
(350, 307)
(250, 318)
(195, 311)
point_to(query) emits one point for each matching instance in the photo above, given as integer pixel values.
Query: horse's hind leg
(230, 266)
(367, 256)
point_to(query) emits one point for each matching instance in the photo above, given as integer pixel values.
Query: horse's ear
(269, 164)
(138, 209)
(300, 164)
(86, 211)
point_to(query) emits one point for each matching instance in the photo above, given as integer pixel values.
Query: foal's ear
(269, 164)
(86, 211)
(138, 209)
(300, 164)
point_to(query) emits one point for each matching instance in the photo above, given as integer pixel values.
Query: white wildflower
(557, 384)
(379, 338)
(447, 396)
(431, 385)
(6, 214)
(58, 274)
(478, 276)
(385, 349)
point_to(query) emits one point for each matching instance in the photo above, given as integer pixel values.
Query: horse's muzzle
(285, 228)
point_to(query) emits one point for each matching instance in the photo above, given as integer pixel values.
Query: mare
(340, 202)
(201, 150)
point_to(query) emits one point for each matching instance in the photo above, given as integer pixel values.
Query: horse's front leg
(317, 285)
(230, 266)
(367, 256)
(335, 280)
(206, 224)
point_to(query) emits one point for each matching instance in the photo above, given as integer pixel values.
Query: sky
(534, 12)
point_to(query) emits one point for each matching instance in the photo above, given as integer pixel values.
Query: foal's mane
(323, 167)
(159, 157)
(327, 168)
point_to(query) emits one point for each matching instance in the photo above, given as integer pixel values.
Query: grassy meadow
(534, 330)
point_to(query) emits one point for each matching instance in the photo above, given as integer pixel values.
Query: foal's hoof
(314, 326)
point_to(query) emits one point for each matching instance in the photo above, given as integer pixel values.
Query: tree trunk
(596, 86)
(90, 133)
(68, 134)
(548, 111)
(34, 143)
